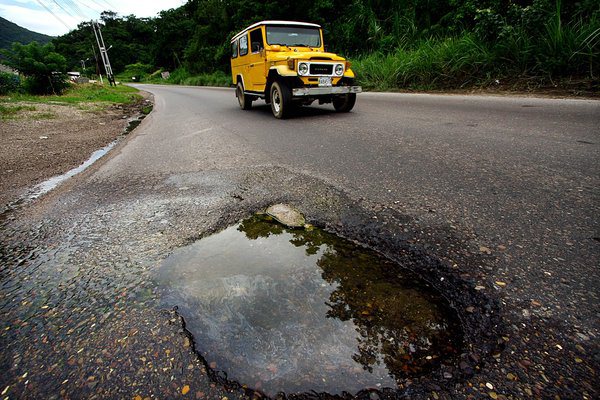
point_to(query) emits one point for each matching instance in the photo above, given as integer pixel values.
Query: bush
(139, 71)
(9, 83)
(56, 84)
(41, 65)
(217, 78)
(181, 76)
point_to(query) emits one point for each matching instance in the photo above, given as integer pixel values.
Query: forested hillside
(392, 43)
(11, 32)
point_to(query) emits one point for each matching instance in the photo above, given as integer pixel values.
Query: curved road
(503, 191)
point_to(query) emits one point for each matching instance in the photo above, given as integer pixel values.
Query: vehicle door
(256, 66)
(242, 62)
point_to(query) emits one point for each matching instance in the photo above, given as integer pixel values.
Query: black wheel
(344, 102)
(244, 100)
(281, 100)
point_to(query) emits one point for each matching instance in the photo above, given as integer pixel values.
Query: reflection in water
(300, 310)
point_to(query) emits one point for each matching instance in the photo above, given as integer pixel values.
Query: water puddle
(53, 182)
(295, 311)
(133, 123)
(41, 189)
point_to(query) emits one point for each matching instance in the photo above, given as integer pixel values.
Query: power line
(55, 16)
(95, 10)
(108, 4)
(76, 8)
(64, 9)
(100, 5)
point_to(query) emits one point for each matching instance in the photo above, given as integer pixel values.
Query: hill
(11, 32)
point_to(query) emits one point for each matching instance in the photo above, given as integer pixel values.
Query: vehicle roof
(296, 23)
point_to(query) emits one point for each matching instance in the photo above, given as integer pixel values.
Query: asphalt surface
(494, 200)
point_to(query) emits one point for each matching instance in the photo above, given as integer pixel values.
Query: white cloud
(29, 14)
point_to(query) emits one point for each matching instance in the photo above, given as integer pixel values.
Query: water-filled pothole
(295, 310)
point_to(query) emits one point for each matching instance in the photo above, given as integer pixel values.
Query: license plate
(324, 81)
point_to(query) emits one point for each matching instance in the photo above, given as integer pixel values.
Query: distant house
(6, 68)
(74, 75)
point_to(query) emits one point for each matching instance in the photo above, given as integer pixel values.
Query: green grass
(12, 112)
(432, 64)
(82, 94)
(183, 77)
(218, 78)
(564, 53)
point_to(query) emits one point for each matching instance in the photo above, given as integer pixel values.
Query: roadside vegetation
(393, 44)
(86, 97)
(80, 94)
(520, 55)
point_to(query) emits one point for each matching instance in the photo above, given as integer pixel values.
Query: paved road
(500, 192)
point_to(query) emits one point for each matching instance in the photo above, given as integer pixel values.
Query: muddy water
(282, 310)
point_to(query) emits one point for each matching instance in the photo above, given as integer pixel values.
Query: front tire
(345, 102)
(281, 100)
(244, 100)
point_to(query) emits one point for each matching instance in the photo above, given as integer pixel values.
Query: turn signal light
(290, 63)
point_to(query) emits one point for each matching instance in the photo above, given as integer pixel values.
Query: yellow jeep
(285, 63)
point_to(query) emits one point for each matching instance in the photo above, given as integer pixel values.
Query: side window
(234, 49)
(256, 41)
(244, 45)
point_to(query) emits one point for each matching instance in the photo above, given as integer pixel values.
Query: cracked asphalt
(493, 200)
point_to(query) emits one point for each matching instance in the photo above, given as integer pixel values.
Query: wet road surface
(494, 201)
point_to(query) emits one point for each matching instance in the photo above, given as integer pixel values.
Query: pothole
(281, 310)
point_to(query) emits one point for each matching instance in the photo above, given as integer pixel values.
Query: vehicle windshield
(293, 36)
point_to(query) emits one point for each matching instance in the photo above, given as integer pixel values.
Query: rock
(286, 215)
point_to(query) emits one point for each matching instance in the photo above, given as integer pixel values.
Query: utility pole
(103, 53)
(97, 64)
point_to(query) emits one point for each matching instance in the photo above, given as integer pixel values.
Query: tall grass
(181, 76)
(571, 48)
(433, 63)
(560, 51)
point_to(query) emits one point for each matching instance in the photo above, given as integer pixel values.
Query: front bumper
(319, 91)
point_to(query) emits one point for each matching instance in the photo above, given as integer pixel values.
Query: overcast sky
(57, 17)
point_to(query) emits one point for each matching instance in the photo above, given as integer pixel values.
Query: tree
(43, 67)
(173, 29)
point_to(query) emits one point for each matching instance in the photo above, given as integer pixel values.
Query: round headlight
(339, 69)
(303, 68)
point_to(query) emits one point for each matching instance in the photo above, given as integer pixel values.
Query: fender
(349, 73)
(283, 70)
(240, 77)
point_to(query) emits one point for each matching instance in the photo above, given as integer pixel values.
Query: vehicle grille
(321, 69)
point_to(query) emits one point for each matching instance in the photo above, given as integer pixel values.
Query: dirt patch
(40, 141)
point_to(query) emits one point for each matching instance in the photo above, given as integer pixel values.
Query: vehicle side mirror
(275, 47)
